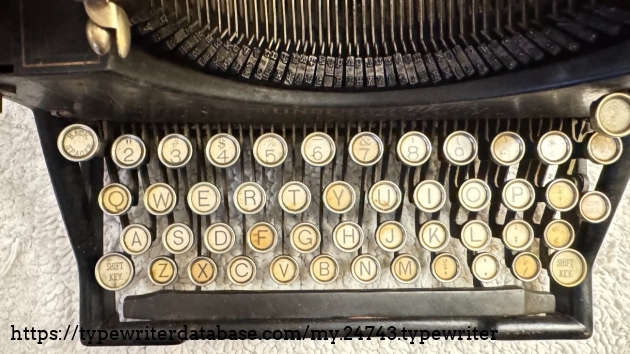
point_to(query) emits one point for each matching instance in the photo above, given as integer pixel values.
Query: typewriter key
(249, 198)
(559, 235)
(241, 270)
(223, 150)
(128, 151)
(554, 148)
(476, 235)
(612, 115)
(561, 195)
(135, 239)
(365, 269)
(177, 238)
(202, 271)
(284, 270)
(526, 266)
(305, 237)
(434, 236)
(348, 236)
(162, 271)
(405, 268)
(414, 149)
(507, 149)
(270, 150)
(384, 196)
(175, 151)
(568, 268)
(429, 196)
(594, 207)
(603, 150)
(446, 268)
(114, 271)
(318, 149)
(391, 236)
(262, 237)
(78, 142)
(485, 267)
(518, 235)
(219, 238)
(160, 199)
(518, 195)
(339, 197)
(294, 197)
(115, 199)
(366, 149)
(204, 198)
(324, 269)
(474, 195)
(460, 148)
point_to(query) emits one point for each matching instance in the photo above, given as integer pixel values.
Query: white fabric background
(39, 283)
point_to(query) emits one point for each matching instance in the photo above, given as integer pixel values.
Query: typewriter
(314, 164)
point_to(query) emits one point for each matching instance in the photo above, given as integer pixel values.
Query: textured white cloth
(39, 281)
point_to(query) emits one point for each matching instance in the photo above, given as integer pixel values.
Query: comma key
(446, 268)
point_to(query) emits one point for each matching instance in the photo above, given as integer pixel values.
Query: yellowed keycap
(305, 237)
(339, 197)
(162, 271)
(559, 235)
(175, 151)
(204, 198)
(262, 237)
(160, 199)
(434, 236)
(486, 267)
(294, 197)
(241, 270)
(202, 271)
(249, 198)
(405, 268)
(594, 207)
(429, 196)
(177, 238)
(270, 150)
(78, 142)
(128, 151)
(324, 269)
(554, 148)
(602, 149)
(115, 199)
(518, 235)
(460, 148)
(114, 271)
(284, 270)
(223, 150)
(219, 238)
(135, 239)
(568, 268)
(391, 236)
(526, 266)
(365, 269)
(474, 195)
(445, 267)
(507, 149)
(348, 236)
(366, 149)
(612, 115)
(561, 195)
(318, 149)
(414, 149)
(384, 196)
(476, 235)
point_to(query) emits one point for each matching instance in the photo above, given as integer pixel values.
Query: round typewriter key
(348, 236)
(128, 151)
(249, 198)
(339, 197)
(366, 149)
(270, 150)
(241, 270)
(405, 268)
(603, 150)
(562, 195)
(518, 195)
(446, 267)
(78, 142)
(160, 199)
(318, 149)
(384, 196)
(305, 237)
(460, 148)
(554, 148)
(202, 271)
(434, 236)
(507, 149)
(294, 197)
(223, 150)
(476, 235)
(518, 235)
(414, 149)
(365, 269)
(115, 199)
(162, 271)
(114, 271)
(219, 238)
(135, 239)
(175, 151)
(324, 269)
(177, 238)
(429, 196)
(568, 268)
(526, 266)
(594, 207)
(204, 198)
(262, 237)
(284, 270)
(391, 236)
(486, 267)
(559, 235)
(612, 115)
(474, 195)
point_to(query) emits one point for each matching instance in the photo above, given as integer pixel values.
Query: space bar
(171, 305)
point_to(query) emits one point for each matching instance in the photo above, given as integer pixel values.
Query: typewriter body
(316, 164)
